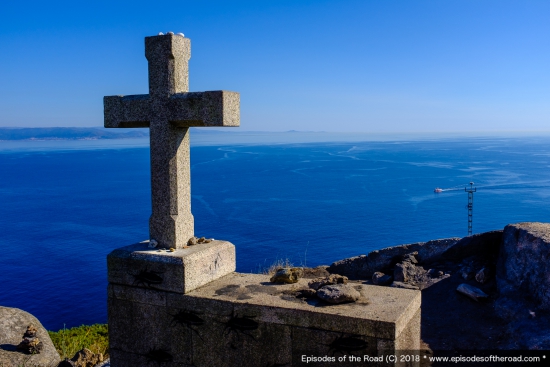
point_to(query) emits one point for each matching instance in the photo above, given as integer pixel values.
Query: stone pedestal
(165, 309)
(180, 271)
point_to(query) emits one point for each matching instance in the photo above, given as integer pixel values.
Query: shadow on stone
(9, 347)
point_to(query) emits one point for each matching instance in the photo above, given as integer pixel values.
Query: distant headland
(68, 133)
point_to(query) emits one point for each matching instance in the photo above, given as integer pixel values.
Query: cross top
(168, 111)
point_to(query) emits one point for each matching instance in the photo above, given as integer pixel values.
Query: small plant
(279, 263)
(69, 341)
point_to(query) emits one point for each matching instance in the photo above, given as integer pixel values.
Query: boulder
(523, 266)
(472, 292)
(482, 245)
(338, 293)
(13, 325)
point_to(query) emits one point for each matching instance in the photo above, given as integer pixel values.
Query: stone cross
(168, 111)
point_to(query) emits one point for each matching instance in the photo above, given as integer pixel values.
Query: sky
(349, 66)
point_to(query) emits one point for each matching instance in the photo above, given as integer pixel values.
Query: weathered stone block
(523, 265)
(180, 271)
(138, 295)
(245, 320)
(329, 346)
(381, 312)
(142, 328)
(157, 357)
(408, 339)
(242, 340)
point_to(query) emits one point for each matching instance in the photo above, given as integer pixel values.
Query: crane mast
(470, 192)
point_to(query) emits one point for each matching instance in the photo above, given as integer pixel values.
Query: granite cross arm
(169, 110)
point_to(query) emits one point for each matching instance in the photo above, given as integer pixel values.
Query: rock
(13, 325)
(482, 276)
(338, 293)
(400, 273)
(331, 279)
(379, 278)
(523, 269)
(286, 275)
(411, 257)
(407, 271)
(86, 358)
(199, 240)
(470, 291)
(404, 285)
(30, 344)
(467, 272)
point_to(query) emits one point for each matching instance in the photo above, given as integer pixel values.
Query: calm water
(66, 205)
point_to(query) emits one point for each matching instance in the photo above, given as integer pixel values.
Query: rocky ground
(510, 313)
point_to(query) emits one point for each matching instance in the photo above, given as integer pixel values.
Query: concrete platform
(245, 320)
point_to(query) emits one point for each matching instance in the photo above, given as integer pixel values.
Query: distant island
(69, 133)
(97, 133)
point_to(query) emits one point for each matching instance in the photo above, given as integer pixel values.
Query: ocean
(309, 198)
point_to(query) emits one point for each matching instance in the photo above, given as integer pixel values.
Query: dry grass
(280, 263)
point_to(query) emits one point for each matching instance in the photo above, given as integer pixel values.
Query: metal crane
(470, 192)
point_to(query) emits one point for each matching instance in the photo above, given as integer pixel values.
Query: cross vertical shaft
(171, 220)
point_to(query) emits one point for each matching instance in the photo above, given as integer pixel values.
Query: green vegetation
(69, 341)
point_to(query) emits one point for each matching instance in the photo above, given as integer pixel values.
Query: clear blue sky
(380, 66)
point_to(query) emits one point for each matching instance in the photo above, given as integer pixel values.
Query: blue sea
(310, 198)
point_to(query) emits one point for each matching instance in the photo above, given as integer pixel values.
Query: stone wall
(523, 268)
(364, 266)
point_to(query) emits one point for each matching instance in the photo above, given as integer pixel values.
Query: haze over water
(67, 204)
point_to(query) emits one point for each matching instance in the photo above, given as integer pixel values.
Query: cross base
(245, 320)
(180, 271)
